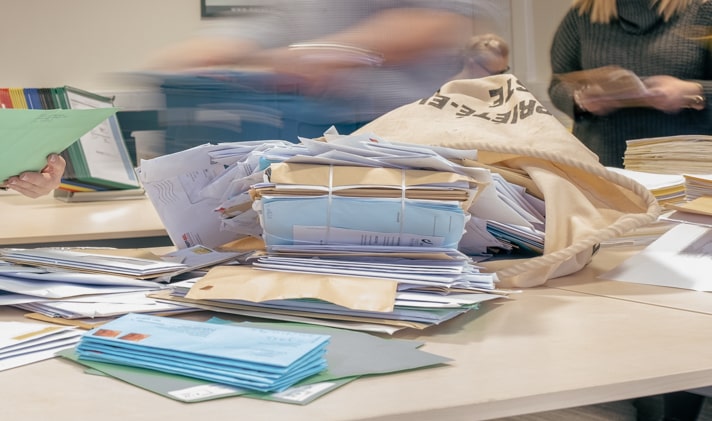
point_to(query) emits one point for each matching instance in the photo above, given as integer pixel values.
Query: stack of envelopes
(252, 358)
(350, 243)
(27, 342)
(350, 355)
(698, 186)
(356, 205)
(343, 218)
(75, 284)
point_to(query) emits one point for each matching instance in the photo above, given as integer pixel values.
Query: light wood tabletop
(542, 349)
(49, 220)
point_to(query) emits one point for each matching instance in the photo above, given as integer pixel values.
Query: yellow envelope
(255, 285)
(341, 176)
(304, 316)
(700, 206)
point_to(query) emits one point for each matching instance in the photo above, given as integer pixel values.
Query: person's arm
(36, 184)
(390, 37)
(672, 95)
(403, 34)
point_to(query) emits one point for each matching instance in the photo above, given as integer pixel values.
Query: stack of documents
(350, 205)
(76, 285)
(667, 188)
(683, 154)
(697, 186)
(216, 181)
(369, 288)
(79, 261)
(352, 208)
(23, 343)
(252, 358)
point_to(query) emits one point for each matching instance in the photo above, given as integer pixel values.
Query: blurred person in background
(644, 69)
(375, 55)
(38, 183)
(484, 55)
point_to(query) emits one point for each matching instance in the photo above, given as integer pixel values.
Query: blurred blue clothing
(369, 91)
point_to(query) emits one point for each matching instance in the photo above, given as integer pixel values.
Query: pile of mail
(77, 284)
(341, 217)
(215, 181)
(252, 358)
(23, 343)
(307, 204)
(349, 355)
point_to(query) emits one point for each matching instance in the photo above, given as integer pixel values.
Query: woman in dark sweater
(665, 43)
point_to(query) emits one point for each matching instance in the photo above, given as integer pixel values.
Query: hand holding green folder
(28, 136)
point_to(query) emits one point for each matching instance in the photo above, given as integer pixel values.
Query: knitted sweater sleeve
(702, 31)
(565, 56)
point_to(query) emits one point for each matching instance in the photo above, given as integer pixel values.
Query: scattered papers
(102, 306)
(23, 343)
(680, 258)
(255, 359)
(678, 216)
(192, 183)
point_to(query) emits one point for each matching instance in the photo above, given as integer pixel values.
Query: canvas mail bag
(516, 136)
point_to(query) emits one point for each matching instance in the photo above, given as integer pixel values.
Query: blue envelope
(360, 221)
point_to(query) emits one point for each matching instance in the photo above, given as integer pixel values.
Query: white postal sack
(516, 136)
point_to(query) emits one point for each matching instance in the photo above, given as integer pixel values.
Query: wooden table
(48, 221)
(545, 348)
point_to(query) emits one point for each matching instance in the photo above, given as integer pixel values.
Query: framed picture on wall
(217, 8)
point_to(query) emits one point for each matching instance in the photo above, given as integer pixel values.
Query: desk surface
(678, 298)
(543, 349)
(48, 220)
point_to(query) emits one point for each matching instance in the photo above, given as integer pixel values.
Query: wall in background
(96, 44)
(90, 44)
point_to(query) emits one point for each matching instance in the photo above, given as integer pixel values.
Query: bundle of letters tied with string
(357, 231)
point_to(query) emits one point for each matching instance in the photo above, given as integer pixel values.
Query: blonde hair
(604, 11)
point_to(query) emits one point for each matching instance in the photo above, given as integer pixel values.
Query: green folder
(28, 136)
